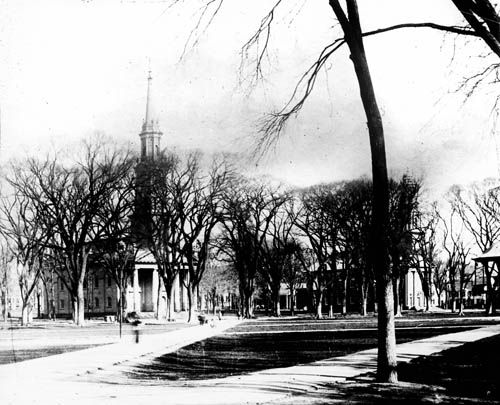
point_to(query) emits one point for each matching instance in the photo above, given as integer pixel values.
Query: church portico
(145, 287)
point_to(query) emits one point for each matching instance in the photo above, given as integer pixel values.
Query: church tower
(150, 134)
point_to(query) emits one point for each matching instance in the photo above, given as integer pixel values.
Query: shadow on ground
(463, 375)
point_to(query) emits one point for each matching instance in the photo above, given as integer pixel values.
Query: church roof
(144, 256)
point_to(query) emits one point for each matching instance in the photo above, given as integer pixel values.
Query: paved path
(74, 377)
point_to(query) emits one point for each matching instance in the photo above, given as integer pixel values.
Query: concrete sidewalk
(62, 379)
(75, 363)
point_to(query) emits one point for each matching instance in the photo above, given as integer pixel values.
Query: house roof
(492, 254)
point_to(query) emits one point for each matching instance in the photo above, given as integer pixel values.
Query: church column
(184, 292)
(135, 287)
(176, 294)
(155, 290)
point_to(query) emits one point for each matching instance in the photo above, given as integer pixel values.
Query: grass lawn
(274, 343)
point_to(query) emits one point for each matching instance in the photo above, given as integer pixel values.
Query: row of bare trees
(319, 236)
(68, 215)
(61, 216)
(55, 211)
(179, 206)
(481, 20)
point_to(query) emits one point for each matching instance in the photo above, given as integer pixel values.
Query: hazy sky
(71, 68)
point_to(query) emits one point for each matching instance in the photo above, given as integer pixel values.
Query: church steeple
(150, 134)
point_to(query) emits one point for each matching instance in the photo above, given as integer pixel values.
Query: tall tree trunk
(74, 308)
(169, 304)
(386, 362)
(460, 303)
(277, 307)
(344, 294)
(4, 304)
(397, 304)
(26, 313)
(292, 301)
(80, 297)
(248, 304)
(364, 299)
(489, 290)
(319, 304)
(80, 302)
(191, 306)
(310, 297)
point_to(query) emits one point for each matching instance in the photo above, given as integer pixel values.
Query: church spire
(150, 134)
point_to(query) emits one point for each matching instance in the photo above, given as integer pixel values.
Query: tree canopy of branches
(179, 205)
(249, 210)
(68, 200)
(355, 224)
(317, 220)
(278, 250)
(403, 206)
(200, 213)
(21, 226)
(479, 210)
(424, 258)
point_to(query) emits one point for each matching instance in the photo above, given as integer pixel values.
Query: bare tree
(318, 221)
(218, 278)
(424, 255)
(116, 252)
(200, 211)
(294, 270)
(250, 207)
(277, 251)
(67, 199)
(22, 225)
(6, 257)
(440, 280)
(355, 213)
(457, 259)
(479, 211)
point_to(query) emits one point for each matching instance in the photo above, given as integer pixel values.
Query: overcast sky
(72, 68)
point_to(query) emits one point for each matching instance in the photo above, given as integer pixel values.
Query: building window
(85, 302)
(96, 282)
(62, 285)
(85, 282)
(109, 281)
(109, 302)
(61, 304)
(96, 301)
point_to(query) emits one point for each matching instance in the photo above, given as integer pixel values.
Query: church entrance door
(146, 284)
